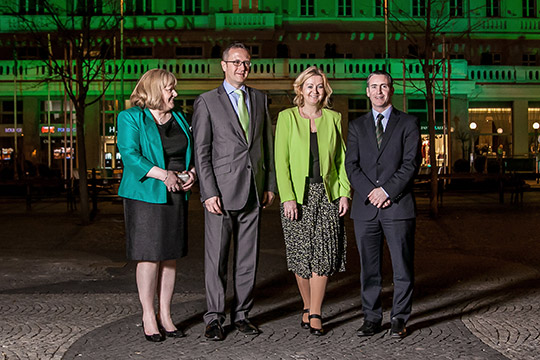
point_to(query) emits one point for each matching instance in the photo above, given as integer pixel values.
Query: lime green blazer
(292, 155)
(140, 145)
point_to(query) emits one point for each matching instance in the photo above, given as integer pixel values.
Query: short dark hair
(381, 72)
(234, 45)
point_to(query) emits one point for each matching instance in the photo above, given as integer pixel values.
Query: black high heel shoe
(154, 337)
(304, 325)
(172, 334)
(315, 331)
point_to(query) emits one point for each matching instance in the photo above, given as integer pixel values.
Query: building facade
(484, 56)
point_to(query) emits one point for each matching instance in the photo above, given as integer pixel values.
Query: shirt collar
(386, 113)
(230, 89)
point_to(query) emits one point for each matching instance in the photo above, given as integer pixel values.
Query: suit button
(377, 181)
(249, 167)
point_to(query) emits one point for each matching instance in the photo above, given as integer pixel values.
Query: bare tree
(79, 46)
(428, 29)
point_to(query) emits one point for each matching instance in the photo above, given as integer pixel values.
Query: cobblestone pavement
(68, 293)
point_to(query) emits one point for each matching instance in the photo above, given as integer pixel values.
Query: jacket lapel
(369, 124)
(152, 136)
(230, 114)
(252, 114)
(390, 126)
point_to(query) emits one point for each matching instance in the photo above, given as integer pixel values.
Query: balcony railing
(245, 21)
(268, 69)
(481, 26)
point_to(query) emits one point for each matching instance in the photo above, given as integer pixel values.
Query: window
(7, 109)
(254, 50)
(307, 56)
(454, 56)
(307, 7)
(31, 7)
(419, 7)
(189, 7)
(529, 8)
(529, 60)
(31, 52)
(419, 108)
(494, 129)
(357, 107)
(56, 109)
(89, 7)
(139, 52)
(456, 8)
(138, 7)
(490, 59)
(344, 7)
(379, 7)
(189, 51)
(245, 6)
(493, 8)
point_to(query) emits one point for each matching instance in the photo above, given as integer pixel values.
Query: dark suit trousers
(242, 227)
(400, 239)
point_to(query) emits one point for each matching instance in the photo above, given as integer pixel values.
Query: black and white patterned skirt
(316, 242)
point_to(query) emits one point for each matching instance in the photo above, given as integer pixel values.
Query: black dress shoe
(398, 329)
(214, 331)
(154, 337)
(369, 328)
(304, 325)
(315, 331)
(246, 327)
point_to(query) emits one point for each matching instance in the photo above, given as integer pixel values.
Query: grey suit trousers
(242, 227)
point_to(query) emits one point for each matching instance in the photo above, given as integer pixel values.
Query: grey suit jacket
(392, 167)
(226, 163)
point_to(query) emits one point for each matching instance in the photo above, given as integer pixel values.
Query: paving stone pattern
(67, 291)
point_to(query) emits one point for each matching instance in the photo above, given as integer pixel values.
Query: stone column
(520, 123)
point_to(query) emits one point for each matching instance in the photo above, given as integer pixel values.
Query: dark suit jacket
(226, 164)
(392, 167)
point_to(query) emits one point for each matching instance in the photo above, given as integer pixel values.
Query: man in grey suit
(234, 161)
(383, 153)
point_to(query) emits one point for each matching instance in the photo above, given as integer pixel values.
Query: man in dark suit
(381, 161)
(234, 161)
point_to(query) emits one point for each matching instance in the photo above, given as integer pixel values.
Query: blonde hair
(303, 77)
(148, 91)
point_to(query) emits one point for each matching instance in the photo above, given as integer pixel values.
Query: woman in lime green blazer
(314, 191)
(156, 146)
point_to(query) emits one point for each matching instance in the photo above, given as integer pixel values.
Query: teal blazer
(140, 145)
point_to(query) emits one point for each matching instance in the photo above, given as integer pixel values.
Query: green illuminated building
(491, 76)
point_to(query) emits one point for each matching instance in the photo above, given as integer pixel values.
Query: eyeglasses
(237, 63)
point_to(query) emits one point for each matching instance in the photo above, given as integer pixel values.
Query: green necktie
(243, 114)
(379, 131)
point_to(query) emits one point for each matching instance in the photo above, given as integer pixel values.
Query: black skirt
(156, 232)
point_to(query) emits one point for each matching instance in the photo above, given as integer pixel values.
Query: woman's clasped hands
(176, 181)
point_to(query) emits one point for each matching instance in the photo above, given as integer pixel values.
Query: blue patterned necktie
(243, 114)
(379, 131)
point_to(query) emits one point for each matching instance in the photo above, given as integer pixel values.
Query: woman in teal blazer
(156, 147)
(314, 191)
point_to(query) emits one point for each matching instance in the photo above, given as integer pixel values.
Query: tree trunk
(434, 184)
(81, 157)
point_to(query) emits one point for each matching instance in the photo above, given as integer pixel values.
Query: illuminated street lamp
(536, 125)
(473, 127)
